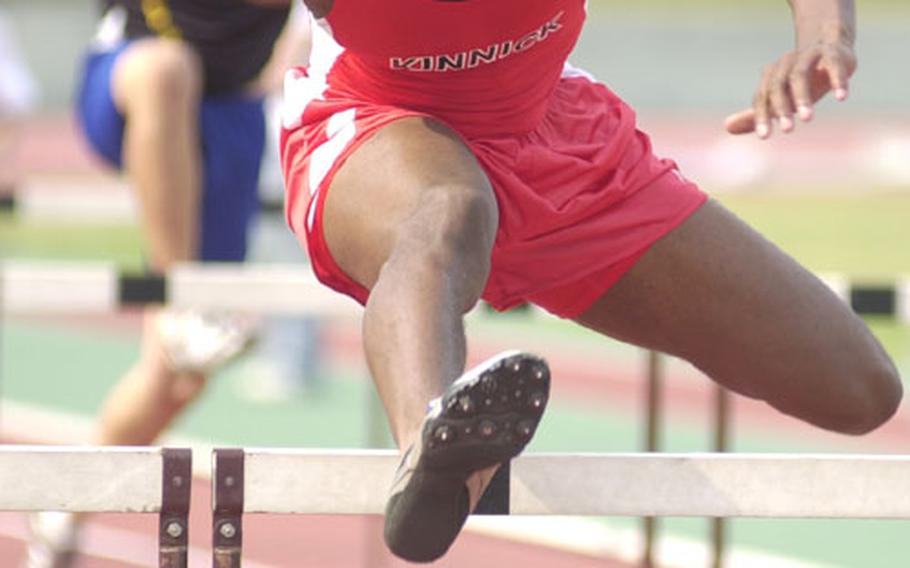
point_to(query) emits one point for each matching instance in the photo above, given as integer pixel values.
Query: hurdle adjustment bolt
(174, 529)
(227, 530)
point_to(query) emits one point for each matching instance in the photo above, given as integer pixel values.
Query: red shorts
(581, 197)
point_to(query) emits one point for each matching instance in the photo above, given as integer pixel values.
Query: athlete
(440, 152)
(172, 94)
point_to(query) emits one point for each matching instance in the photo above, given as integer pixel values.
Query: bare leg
(412, 217)
(157, 86)
(716, 293)
(148, 397)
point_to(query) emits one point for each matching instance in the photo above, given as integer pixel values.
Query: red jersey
(486, 67)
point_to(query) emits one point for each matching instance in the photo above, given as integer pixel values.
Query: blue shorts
(232, 133)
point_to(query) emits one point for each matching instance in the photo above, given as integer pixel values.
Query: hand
(792, 84)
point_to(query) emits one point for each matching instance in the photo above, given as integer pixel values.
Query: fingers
(838, 65)
(742, 122)
(780, 97)
(761, 102)
(790, 87)
(801, 87)
(771, 102)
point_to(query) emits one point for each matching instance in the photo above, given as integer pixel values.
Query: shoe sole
(488, 417)
(485, 418)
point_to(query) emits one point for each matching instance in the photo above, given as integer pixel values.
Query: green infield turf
(862, 235)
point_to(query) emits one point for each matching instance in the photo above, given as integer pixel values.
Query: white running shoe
(53, 542)
(201, 342)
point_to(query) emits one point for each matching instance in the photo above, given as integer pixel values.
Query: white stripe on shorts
(569, 71)
(340, 131)
(301, 89)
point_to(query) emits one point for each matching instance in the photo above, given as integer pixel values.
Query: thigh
(719, 295)
(411, 184)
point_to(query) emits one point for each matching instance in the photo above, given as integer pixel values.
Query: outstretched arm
(822, 61)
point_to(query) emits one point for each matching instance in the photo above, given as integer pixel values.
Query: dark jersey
(234, 39)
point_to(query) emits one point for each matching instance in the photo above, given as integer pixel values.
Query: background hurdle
(70, 287)
(47, 287)
(104, 480)
(35, 202)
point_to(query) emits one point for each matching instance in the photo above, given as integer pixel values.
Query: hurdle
(298, 481)
(288, 289)
(100, 287)
(87, 204)
(81, 479)
(55, 287)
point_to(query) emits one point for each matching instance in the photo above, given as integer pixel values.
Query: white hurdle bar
(88, 202)
(660, 485)
(284, 289)
(300, 481)
(61, 287)
(104, 480)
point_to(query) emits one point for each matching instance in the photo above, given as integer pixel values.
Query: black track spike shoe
(485, 418)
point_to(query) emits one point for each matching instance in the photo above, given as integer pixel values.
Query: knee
(881, 394)
(461, 223)
(854, 394)
(164, 73)
(452, 228)
(446, 243)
